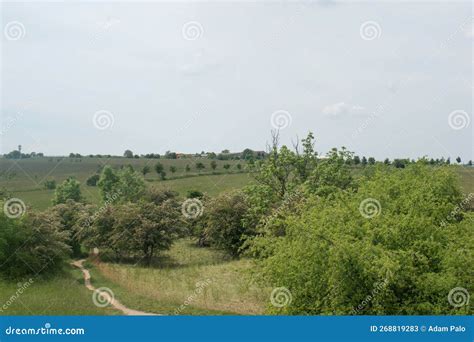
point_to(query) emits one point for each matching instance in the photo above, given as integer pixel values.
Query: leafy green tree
(227, 166)
(458, 159)
(223, 222)
(50, 184)
(200, 166)
(31, 245)
(70, 189)
(363, 161)
(371, 161)
(239, 167)
(173, 169)
(213, 164)
(188, 168)
(108, 183)
(356, 160)
(386, 161)
(69, 214)
(128, 154)
(92, 180)
(146, 170)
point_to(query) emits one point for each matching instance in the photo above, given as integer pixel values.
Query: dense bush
(50, 184)
(92, 180)
(223, 226)
(385, 236)
(31, 245)
(124, 185)
(70, 189)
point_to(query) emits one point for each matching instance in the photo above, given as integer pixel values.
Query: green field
(25, 178)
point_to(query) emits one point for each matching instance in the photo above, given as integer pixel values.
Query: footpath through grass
(63, 294)
(186, 280)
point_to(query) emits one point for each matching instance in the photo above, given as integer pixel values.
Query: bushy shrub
(70, 189)
(31, 245)
(223, 225)
(49, 184)
(92, 180)
(380, 249)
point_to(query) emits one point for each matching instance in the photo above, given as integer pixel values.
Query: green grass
(64, 294)
(166, 286)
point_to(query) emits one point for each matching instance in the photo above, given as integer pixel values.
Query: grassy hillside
(25, 178)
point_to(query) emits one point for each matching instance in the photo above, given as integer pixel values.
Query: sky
(384, 79)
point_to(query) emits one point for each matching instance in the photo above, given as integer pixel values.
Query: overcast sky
(385, 80)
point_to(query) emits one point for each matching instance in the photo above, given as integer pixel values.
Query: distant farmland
(25, 178)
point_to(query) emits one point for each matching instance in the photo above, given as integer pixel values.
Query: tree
(223, 222)
(200, 166)
(128, 154)
(458, 159)
(469, 163)
(356, 160)
(69, 214)
(173, 169)
(227, 166)
(188, 168)
(31, 245)
(108, 183)
(371, 161)
(363, 161)
(92, 180)
(213, 164)
(49, 184)
(386, 161)
(239, 167)
(159, 168)
(70, 189)
(146, 169)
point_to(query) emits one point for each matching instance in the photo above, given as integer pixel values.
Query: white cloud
(342, 109)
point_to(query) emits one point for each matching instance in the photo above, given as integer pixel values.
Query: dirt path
(110, 299)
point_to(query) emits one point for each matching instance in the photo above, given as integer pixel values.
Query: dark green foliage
(31, 245)
(93, 180)
(50, 184)
(223, 222)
